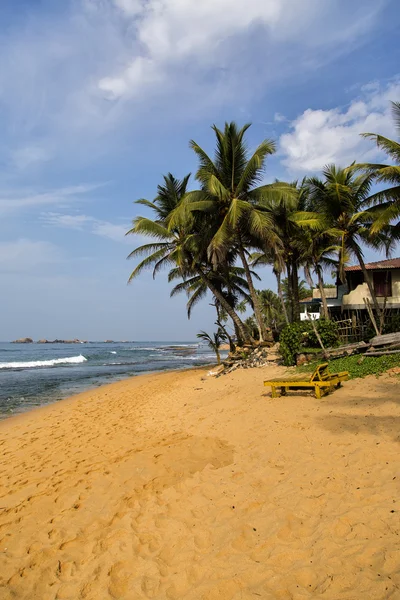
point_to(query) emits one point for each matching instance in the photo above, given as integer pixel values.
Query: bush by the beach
(358, 365)
(297, 336)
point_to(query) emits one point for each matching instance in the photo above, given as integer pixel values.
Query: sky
(99, 99)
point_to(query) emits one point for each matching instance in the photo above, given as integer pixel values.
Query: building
(346, 301)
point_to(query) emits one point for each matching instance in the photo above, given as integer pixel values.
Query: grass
(371, 365)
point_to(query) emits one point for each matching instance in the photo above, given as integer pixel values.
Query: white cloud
(23, 255)
(321, 137)
(112, 231)
(278, 118)
(15, 200)
(79, 222)
(167, 33)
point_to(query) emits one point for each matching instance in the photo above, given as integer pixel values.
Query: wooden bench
(321, 381)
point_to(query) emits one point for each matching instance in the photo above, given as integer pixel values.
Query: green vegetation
(369, 365)
(296, 337)
(213, 342)
(211, 239)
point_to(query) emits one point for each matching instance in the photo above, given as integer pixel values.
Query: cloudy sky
(98, 98)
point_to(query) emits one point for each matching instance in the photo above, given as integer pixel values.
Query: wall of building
(355, 298)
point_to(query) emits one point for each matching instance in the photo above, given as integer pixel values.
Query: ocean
(36, 374)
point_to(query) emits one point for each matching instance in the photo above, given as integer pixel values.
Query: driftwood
(382, 353)
(346, 350)
(383, 340)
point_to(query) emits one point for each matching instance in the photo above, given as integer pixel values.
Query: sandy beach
(181, 485)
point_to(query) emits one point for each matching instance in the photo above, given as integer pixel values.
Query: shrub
(296, 336)
(290, 342)
(328, 331)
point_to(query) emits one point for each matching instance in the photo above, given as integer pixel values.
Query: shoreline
(99, 388)
(179, 485)
(91, 388)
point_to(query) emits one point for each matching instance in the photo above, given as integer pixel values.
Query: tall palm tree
(228, 200)
(342, 200)
(387, 201)
(180, 246)
(287, 209)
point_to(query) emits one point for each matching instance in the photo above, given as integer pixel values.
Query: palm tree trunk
(295, 292)
(239, 325)
(253, 294)
(368, 281)
(325, 311)
(217, 354)
(280, 294)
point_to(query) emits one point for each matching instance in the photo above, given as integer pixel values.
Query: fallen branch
(382, 353)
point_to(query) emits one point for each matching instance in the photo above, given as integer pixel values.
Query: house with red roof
(347, 300)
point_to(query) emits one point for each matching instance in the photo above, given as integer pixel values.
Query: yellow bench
(321, 381)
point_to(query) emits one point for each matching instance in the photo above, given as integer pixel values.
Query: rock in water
(23, 341)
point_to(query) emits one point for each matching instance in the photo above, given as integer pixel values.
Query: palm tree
(287, 211)
(387, 200)
(317, 254)
(232, 285)
(341, 201)
(229, 201)
(273, 256)
(213, 342)
(180, 246)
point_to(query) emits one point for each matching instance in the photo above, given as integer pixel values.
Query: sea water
(36, 374)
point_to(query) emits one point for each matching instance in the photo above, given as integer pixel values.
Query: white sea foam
(71, 360)
(113, 352)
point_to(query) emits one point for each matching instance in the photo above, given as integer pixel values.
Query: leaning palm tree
(387, 201)
(213, 342)
(181, 247)
(231, 284)
(228, 201)
(342, 200)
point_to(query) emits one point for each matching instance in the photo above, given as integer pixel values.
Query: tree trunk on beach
(254, 297)
(280, 294)
(368, 281)
(239, 325)
(325, 310)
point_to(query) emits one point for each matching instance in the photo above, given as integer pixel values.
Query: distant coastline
(28, 340)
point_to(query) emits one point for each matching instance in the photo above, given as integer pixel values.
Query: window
(355, 278)
(383, 283)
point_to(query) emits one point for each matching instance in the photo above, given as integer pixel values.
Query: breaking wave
(71, 360)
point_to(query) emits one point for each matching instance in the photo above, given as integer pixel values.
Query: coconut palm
(342, 200)
(181, 246)
(289, 218)
(214, 342)
(232, 285)
(273, 256)
(386, 201)
(228, 200)
(318, 252)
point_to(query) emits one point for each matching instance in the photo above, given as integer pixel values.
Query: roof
(391, 263)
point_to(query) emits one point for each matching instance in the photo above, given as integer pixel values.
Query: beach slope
(180, 485)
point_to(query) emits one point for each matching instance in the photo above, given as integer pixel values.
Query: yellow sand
(184, 486)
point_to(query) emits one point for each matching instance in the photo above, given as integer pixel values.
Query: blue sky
(98, 99)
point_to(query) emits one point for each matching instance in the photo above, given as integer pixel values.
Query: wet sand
(180, 485)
